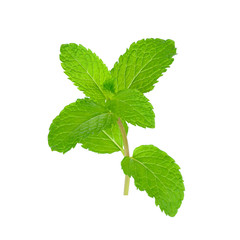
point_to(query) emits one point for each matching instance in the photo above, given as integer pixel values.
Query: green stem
(126, 154)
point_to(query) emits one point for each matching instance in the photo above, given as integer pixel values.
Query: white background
(47, 195)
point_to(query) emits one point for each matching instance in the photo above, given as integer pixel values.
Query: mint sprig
(99, 123)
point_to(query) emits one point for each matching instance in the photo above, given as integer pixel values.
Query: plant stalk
(126, 154)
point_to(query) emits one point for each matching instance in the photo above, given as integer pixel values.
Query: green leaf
(85, 69)
(107, 141)
(158, 174)
(143, 63)
(133, 107)
(77, 121)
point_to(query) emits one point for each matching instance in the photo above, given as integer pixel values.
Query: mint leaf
(85, 69)
(133, 107)
(107, 141)
(143, 63)
(77, 121)
(158, 174)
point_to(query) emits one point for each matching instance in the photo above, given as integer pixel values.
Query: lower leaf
(76, 122)
(158, 174)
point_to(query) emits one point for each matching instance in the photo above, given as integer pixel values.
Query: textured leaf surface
(85, 69)
(158, 174)
(132, 106)
(107, 141)
(143, 63)
(76, 122)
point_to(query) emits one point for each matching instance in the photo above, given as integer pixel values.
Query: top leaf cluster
(113, 94)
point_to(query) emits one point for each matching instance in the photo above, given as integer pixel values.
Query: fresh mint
(115, 98)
